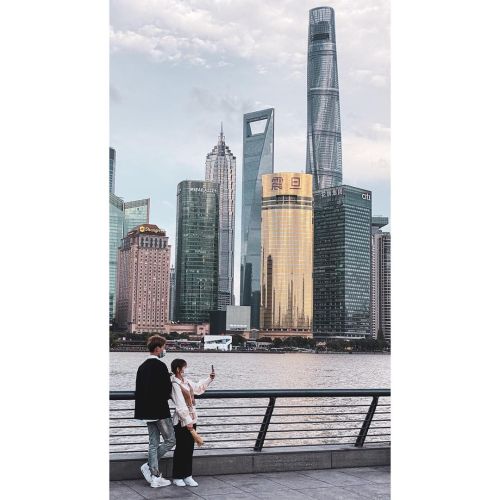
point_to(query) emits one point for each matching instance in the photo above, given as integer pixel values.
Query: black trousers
(183, 453)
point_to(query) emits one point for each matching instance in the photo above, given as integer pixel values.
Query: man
(152, 391)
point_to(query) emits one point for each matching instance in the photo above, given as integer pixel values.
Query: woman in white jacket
(184, 420)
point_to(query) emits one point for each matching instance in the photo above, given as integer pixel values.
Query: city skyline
(151, 89)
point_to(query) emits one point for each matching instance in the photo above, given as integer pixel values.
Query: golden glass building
(287, 254)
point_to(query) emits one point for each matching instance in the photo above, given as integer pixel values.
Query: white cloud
(267, 34)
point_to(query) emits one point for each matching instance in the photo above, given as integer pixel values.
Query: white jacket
(183, 413)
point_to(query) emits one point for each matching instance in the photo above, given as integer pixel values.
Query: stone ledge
(280, 459)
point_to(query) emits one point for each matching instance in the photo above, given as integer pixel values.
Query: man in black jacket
(152, 391)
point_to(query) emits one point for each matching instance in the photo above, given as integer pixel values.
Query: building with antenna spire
(220, 167)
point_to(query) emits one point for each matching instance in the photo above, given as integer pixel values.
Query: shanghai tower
(324, 146)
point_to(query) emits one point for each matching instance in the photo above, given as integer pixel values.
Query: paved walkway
(338, 484)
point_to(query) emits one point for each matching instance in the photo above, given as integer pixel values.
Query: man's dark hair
(155, 341)
(177, 363)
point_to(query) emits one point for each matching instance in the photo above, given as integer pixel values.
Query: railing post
(259, 443)
(366, 424)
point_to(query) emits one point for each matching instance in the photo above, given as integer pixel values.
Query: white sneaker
(179, 482)
(146, 472)
(158, 482)
(189, 481)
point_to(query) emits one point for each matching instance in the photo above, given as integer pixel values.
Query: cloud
(209, 33)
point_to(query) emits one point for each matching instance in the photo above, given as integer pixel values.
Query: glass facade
(112, 162)
(123, 216)
(116, 222)
(171, 304)
(381, 283)
(287, 253)
(220, 166)
(197, 262)
(258, 159)
(342, 262)
(324, 144)
(136, 213)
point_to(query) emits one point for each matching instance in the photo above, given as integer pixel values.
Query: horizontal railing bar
(202, 408)
(277, 393)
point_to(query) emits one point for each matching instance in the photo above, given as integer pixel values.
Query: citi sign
(366, 196)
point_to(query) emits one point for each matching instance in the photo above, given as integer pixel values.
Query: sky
(178, 68)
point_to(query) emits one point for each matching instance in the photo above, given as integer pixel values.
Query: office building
(123, 216)
(381, 280)
(136, 213)
(287, 254)
(142, 287)
(197, 246)
(234, 320)
(172, 295)
(324, 145)
(342, 262)
(116, 222)
(258, 159)
(220, 166)
(112, 162)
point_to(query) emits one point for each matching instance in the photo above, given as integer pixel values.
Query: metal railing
(326, 416)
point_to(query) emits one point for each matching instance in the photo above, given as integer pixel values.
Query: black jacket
(152, 390)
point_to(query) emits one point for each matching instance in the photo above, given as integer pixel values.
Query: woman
(184, 420)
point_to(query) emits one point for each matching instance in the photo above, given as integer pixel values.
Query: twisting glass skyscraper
(258, 159)
(220, 167)
(324, 146)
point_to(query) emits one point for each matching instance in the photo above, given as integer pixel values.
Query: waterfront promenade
(357, 483)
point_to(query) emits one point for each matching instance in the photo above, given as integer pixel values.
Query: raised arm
(201, 386)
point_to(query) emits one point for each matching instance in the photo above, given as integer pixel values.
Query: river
(266, 371)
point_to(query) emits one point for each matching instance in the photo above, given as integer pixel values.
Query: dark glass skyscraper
(220, 166)
(324, 145)
(342, 262)
(381, 279)
(112, 160)
(258, 159)
(197, 261)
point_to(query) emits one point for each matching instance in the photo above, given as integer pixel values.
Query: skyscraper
(324, 145)
(220, 166)
(116, 222)
(171, 302)
(112, 161)
(258, 159)
(142, 287)
(123, 216)
(381, 279)
(287, 254)
(136, 213)
(342, 262)
(197, 261)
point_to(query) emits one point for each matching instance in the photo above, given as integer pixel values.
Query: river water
(295, 421)
(266, 371)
